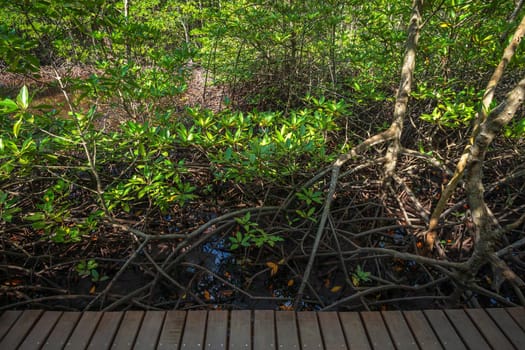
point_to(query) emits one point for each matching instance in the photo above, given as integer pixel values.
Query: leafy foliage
(142, 163)
(128, 148)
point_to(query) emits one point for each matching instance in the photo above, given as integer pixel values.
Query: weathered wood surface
(264, 329)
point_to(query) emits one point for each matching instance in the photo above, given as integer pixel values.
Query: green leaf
(8, 106)
(92, 264)
(16, 127)
(142, 150)
(23, 98)
(142, 193)
(228, 154)
(38, 225)
(35, 217)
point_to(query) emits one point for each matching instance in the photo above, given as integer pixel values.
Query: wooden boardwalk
(265, 330)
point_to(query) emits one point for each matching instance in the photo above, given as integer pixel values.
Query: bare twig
(391, 133)
(480, 118)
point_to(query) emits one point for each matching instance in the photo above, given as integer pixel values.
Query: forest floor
(40, 273)
(112, 249)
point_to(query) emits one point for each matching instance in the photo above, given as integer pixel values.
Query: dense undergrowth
(124, 191)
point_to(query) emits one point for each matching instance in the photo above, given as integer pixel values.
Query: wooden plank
(444, 329)
(518, 314)
(217, 330)
(128, 329)
(263, 330)
(106, 331)
(309, 331)
(466, 329)
(506, 323)
(456, 329)
(399, 330)
(286, 326)
(333, 335)
(171, 335)
(36, 338)
(377, 331)
(354, 330)
(8, 319)
(62, 330)
(149, 332)
(19, 329)
(82, 333)
(489, 329)
(194, 330)
(240, 330)
(422, 330)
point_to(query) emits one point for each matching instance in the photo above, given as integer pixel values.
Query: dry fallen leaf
(355, 281)
(13, 282)
(226, 293)
(273, 267)
(286, 307)
(335, 289)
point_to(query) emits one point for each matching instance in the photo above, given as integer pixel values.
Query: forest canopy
(306, 155)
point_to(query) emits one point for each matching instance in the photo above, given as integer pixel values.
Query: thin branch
(480, 118)
(391, 133)
(486, 235)
(115, 278)
(378, 289)
(405, 87)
